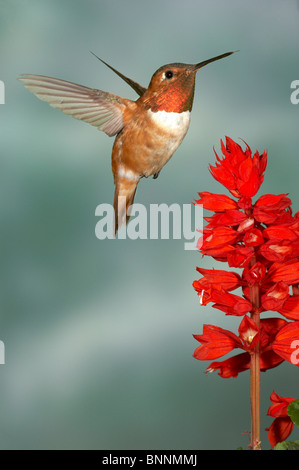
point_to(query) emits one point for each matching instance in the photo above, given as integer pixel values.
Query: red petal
(287, 272)
(223, 279)
(276, 296)
(279, 250)
(253, 237)
(290, 308)
(239, 257)
(254, 275)
(273, 202)
(216, 202)
(218, 237)
(249, 333)
(216, 342)
(269, 360)
(279, 430)
(231, 367)
(280, 232)
(231, 218)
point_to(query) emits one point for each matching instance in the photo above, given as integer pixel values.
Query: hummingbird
(148, 131)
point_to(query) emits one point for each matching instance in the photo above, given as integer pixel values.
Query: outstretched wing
(99, 108)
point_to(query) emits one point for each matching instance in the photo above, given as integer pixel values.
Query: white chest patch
(173, 122)
(165, 137)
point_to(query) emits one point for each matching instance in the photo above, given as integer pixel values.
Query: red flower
(280, 250)
(216, 202)
(270, 208)
(217, 342)
(240, 256)
(233, 366)
(287, 272)
(229, 303)
(239, 171)
(218, 279)
(253, 237)
(290, 308)
(275, 296)
(230, 218)
(255, 274)
(282, 425)
(218, 237)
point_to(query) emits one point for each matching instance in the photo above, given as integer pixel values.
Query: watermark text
(295, 94)
(2, 353)
(159, 222)
(2, 92)
(295, 353)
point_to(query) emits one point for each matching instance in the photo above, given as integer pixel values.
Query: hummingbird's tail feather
(125, 190)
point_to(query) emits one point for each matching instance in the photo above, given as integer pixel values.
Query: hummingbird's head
(172, 86)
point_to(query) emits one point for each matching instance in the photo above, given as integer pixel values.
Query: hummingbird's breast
(147, 143)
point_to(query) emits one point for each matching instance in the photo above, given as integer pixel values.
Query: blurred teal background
(98, 334)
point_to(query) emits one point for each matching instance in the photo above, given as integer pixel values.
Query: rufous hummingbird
(148, 131)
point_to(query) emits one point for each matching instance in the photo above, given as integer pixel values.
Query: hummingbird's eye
(168, 74)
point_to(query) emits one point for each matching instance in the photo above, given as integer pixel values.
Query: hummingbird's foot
(156, 175)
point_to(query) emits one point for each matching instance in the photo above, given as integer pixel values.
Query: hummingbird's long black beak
(205, 62)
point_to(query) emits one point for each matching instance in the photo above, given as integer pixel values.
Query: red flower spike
(282, 426)
(262, 239)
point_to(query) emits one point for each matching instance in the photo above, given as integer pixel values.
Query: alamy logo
(159, 222)
(295, 353)
(295, 94)
(2, 353)
(2, 92)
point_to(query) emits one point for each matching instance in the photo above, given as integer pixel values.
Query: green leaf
(293, 411)
(287, 445)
